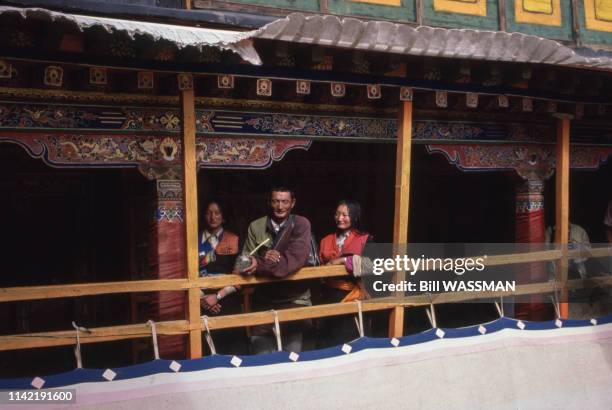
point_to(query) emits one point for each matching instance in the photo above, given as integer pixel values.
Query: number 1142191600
(40, 396)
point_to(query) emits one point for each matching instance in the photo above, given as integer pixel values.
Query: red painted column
(530, 228)
(168, 258)
(530, 224)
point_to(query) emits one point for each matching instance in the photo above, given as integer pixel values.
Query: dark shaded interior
(320, 177)
(68, 226)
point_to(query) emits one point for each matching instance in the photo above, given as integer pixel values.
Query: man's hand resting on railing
(273, 256)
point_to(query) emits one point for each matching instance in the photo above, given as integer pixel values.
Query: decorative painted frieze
(158, 121)
(279, 124)
(481, 132)
(150, 153)
(64, 117)
(529, 161)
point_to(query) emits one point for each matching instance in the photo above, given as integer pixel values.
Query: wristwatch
(219, 297)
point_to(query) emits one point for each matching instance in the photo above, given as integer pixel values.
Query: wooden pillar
(402, 202)
(190, 205)
(562, 202)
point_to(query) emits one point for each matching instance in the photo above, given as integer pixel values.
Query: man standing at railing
(287, 246)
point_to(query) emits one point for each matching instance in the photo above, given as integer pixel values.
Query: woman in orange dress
(337, 248)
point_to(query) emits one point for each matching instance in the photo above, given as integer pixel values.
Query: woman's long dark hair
(354, 211)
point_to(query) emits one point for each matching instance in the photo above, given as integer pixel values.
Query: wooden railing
(22, 293)
(177, 327)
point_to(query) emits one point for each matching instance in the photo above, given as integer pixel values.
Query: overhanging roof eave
(238, 42)
(396, 38)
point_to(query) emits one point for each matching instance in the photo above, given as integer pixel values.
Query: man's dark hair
(280, 188)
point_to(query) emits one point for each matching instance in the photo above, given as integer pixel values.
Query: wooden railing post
(402, 199)
(190, 198)
(562, 203)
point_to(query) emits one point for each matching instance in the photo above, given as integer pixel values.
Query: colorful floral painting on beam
(524, 159)
(146, 152)
(244, 153)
